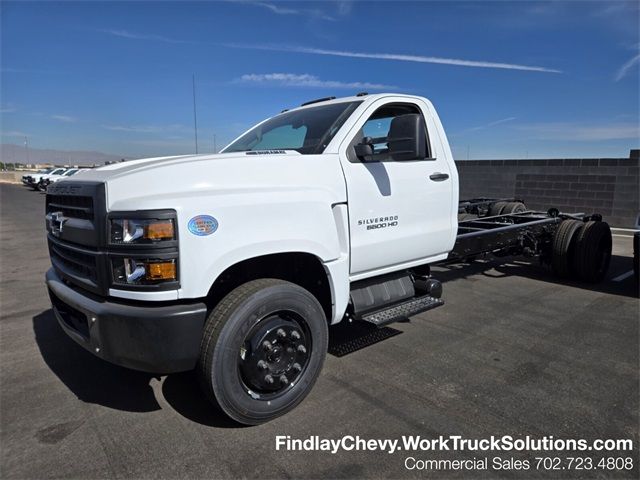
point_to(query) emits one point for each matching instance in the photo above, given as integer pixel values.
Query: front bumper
(156, 339)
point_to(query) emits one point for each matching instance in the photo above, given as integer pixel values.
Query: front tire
(262, 350)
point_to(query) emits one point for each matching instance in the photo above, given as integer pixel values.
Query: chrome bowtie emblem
(56, 223)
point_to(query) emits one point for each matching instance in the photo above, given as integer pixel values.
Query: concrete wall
(608, 186)
(12, 177)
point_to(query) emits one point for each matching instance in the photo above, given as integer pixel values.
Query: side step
(402, 311)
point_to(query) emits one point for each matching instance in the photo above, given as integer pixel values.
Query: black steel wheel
(563, 249)
(593, 251)
(262, 350)
(275, 354)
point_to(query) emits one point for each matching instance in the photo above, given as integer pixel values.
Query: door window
(377, 129)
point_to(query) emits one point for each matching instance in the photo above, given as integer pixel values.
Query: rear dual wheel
(593, 251)
(581, 250)
(262, 350)
(505, 208)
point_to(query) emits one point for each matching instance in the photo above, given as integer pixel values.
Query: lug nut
(302, 349)
(267, 345)
(262, 365)
(268, 379)
(295, 335)
(296, 367)
(281, 333)
(284, 380)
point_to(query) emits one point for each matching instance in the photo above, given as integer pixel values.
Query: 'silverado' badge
(202, 225)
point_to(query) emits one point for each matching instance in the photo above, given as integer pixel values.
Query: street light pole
(195, 118)
(26, 149)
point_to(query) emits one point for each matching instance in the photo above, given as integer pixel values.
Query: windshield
(45, 170)
(69, 173)
(308, 130)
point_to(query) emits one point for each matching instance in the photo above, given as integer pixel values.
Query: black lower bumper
(156, 339)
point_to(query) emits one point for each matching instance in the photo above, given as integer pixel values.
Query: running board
(402, 311)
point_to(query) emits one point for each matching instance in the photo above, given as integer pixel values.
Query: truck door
(400, 207)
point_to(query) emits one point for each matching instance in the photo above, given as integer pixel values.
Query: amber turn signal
(161, 271)
(159, 230)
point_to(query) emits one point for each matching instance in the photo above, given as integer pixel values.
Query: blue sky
(509, 79)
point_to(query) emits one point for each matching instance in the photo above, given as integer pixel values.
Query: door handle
(438, 177)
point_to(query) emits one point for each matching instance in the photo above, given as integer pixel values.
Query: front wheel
(262, 350)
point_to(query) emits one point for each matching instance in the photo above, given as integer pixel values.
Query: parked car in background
(46, 180)
(27, 179)
(35, 179)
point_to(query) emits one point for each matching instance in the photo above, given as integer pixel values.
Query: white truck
(47, 180)
(33, 179)
(237, 264)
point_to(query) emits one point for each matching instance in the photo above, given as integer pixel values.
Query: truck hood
(169, 182)
(145, 164)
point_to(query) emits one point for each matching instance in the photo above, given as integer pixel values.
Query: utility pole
(195, 117)
(215, 147)
(26, 149)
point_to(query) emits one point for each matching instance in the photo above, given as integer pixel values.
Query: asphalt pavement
(512, 352)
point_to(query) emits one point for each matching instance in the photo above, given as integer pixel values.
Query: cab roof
(364, 97)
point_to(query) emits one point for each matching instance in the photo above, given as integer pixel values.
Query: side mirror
(407, 138)
(364, 149)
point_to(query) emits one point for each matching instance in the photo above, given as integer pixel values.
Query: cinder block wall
(609, 186)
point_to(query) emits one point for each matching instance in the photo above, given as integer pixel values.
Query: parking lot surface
(512, 352)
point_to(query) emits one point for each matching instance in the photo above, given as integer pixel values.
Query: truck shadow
(93, 380)
(509, 266)
(182, 392)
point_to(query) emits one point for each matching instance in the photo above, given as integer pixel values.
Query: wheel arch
(302, 268)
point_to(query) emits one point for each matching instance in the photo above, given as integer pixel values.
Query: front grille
(71, 206)
(73, 261)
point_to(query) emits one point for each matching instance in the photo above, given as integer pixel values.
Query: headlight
(135, 271)
(137, 231)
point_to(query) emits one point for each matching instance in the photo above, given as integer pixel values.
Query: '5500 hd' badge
(202, 225)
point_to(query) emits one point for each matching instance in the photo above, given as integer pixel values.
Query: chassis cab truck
(236, 264)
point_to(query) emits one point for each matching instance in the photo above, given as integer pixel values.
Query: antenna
(195, 117)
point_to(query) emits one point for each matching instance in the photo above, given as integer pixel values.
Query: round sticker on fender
(202, 225)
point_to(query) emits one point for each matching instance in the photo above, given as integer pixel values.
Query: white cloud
(583, 132)
(280, 9)
(141, 36)
(186, 144)
(64, 118)
(399, 57)
(305, 80)
(491, 124)
(15, 133)
(145, 128)
(626, 67)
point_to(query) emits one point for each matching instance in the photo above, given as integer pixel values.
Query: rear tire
(514, 207)
(496, 209)
(563, 251)
(593, 251)
(253, 382)
(466, 216)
